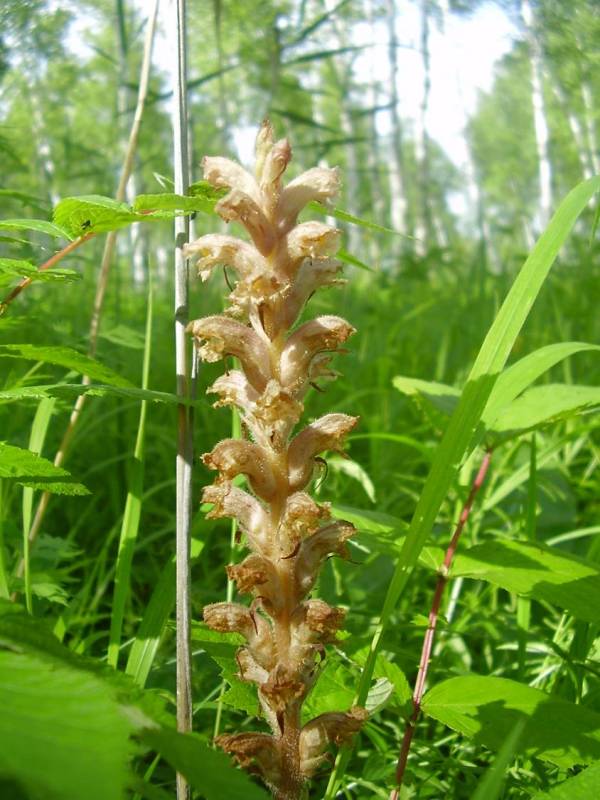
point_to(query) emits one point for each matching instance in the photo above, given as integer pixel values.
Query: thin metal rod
(184, 429)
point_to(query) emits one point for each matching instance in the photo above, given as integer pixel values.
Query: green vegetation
(475, 372)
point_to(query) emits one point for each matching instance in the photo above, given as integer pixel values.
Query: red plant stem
(433, 618)
(46, 265)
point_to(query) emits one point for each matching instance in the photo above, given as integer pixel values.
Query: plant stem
(184, 429)
(51, 262)
(433, 619)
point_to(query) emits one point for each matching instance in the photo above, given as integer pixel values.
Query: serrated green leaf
(203, 190)
(94, 390)
(334, 690)
(488, 708)
(11, 268)
(93, 214)
(29, 469)
(584, 786)
(38, 225)
(208, 770)
(63, 733)
(523, 373)
(371, 521)
(541, 405)
(65, 357)
(174, 203)
(442, 397)
(536, 571)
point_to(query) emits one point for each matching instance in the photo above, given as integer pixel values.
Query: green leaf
(440, 396)
(38, 225)
(152, 626)
(222, 647)
(542, 405)
(348, 258)
(94, 390)
(63, 732)
(370, 521)
(93, 214)
(490, 786)
(584, 786)
(458, 436)
(344, 216)
(353, 470)
(174, 203)
(29, 469)
(208, 770)
(488, 709)
(65, 357)
(523, 373)
(203, 190)
(532, 570)
(334, 690)
(26, 199)
(11, 268)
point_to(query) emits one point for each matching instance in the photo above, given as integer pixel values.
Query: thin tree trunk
(424, 228)
(540, 122)
(398, 205)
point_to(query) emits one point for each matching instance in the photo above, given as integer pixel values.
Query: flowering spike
(289, 535)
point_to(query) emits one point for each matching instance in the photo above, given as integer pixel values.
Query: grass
(428, 325)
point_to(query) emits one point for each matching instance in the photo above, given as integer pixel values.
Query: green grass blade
(133, 509)
(490, 361)
(39, 429)
(490, 786)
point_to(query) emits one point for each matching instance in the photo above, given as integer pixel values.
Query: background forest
(439, 218)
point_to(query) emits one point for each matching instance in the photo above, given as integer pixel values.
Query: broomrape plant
(288, 533)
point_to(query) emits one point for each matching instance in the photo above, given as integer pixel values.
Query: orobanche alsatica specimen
(288, 533)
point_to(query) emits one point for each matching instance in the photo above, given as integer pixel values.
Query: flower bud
(326, 433)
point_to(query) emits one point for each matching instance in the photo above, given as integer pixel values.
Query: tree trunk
(539, 117)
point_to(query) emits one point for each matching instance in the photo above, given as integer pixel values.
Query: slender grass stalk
(184, 428)
(104, 266)
(133, 508)
(432, 622)
(4, 592)
(39, 428)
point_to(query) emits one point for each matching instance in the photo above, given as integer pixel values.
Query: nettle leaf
(175, 203)
(63, 732)
(440, 395)
(334, 690)
(222, 647)
(208, 770)
(12, 268)
(37, 225)
(202, 190)
(487, 709)
(542, 405)
(535, 571)
(93, 214)
(65, 357)
(523, 373)
(94, 390)
(507, 414)
(29, 469)
(582, 787)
